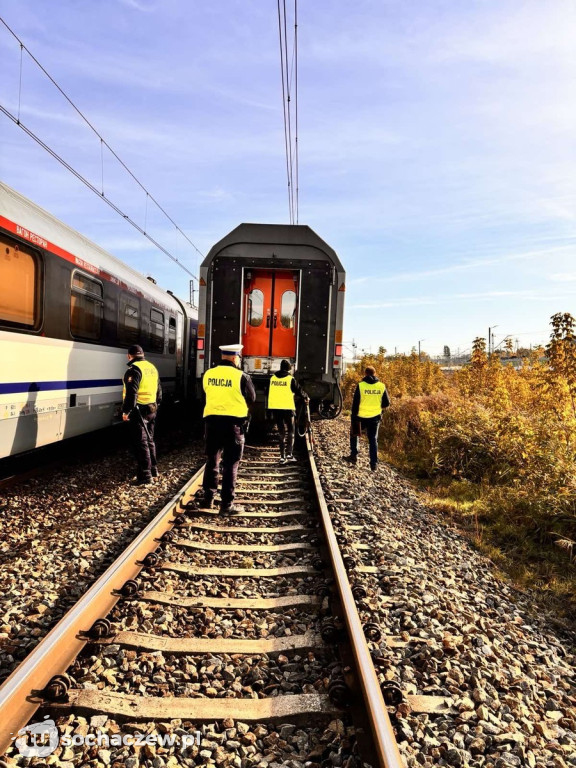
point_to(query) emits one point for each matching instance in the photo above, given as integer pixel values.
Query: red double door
(270, 314)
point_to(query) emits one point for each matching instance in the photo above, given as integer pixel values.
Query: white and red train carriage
(68, 311)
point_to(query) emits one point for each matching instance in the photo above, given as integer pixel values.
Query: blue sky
(436, 145)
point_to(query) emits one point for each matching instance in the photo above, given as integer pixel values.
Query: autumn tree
(478, 358)
(561, 352)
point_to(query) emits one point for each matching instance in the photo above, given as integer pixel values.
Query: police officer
(283, 387)
(141, 396)
(370, 398)
(228, 393)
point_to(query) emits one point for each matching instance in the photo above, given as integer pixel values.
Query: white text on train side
(27, 235)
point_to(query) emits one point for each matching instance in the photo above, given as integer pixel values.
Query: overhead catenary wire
(103, 143)
(91, 186)
(289, 115)
(296, 102)
(290, 133)
(284, 115)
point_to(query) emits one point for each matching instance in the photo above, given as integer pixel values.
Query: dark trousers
(371, 426)
(285, 423)
(223, 440)
(143, 441)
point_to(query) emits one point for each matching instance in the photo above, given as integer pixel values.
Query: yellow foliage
(404, 376)
(490, 424)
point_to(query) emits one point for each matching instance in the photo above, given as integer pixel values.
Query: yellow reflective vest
(280, 395)
(370, 399)
(148, 388)
(223, 392)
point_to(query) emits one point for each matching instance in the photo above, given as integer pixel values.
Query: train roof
(274, 234)
(25, 213)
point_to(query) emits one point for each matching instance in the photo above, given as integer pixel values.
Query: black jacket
(356, 401)
(132, 379)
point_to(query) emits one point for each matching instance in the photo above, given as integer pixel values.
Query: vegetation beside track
(494, 449)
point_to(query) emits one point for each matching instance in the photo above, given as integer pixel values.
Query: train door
(270, 314)
(284, 315)
(176, 351)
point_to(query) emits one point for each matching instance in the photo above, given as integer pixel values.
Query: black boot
(231, 509)
(206, 501)
(142, 481)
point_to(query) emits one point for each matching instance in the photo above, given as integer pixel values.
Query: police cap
(136, 351)
(231, 349)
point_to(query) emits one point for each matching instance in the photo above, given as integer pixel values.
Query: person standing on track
(229, 392)
(370, 398)
(282, 389)
(141, 395)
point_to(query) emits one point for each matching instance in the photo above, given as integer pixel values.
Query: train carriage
(279, 291)
(68, 311)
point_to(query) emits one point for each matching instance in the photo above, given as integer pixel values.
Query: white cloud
(442, 300)
(563, 277)
(145, 6)
(512, 34)
(436, 140)
(471, 264)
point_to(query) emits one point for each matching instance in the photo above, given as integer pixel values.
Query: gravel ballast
(468, 635)
(60, 531)
(459, 631)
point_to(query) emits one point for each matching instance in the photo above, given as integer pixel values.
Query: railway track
(204, 619)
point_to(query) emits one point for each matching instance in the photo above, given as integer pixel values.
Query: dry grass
(494, 450)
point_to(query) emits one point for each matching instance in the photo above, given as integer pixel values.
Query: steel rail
(382, 732)
(20, 694)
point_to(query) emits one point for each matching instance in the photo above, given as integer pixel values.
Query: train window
(172, 335)
(156, 331)
(288, 309)
(255, 308)
(86, 306)
(18, 284)
(129, 319)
